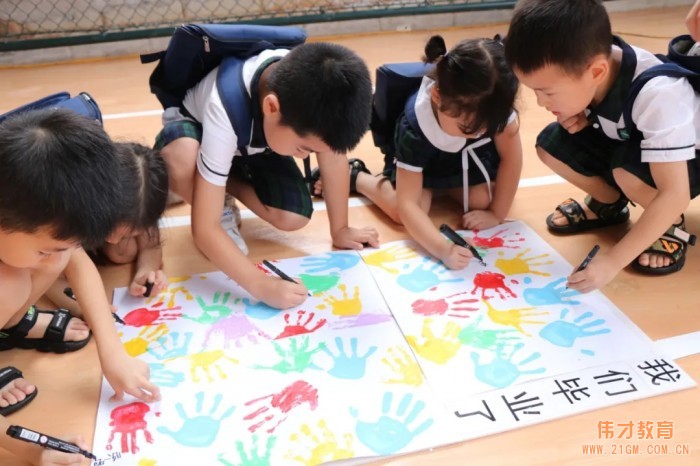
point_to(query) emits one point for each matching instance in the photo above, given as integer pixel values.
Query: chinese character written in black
(488, 416)
(520, 404)
(614, 376)
(660, 371)
(571, 390)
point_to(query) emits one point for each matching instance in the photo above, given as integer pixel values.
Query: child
(582, 74)
(136, 238)
(314, 98)
(46, 218)
(462, 111)
(692, 21)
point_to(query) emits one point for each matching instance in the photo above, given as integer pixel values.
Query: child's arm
(56, 295)
(221, 250)
(510, 152)
(409, 189)
(37, 455)
(124, 373)
(692, 21)
(671, 199)
(336, 189)
(149, 262)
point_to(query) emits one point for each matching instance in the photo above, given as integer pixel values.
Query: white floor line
(119, 116)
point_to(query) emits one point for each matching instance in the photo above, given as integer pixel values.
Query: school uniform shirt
(219, 140)
(665, 111)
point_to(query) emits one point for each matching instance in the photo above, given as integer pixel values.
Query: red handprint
(281, 404)
(141, 317)
(491, 281)
(299, 328)
(495, 241)
(127, 420)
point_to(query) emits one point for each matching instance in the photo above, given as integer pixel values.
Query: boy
(58, 194)
(314, 98)
(565, 51)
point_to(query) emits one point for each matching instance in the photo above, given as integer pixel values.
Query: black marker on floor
(46, 441)
(68, 291)
(279, 273)
(459, 241)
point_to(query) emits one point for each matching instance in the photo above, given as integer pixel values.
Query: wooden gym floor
(660, 306)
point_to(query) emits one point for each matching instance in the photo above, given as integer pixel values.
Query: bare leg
(478, 196)
(282, 219)
(180, 158)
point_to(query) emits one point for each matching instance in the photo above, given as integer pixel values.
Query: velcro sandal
(614, 213)
(674, 244)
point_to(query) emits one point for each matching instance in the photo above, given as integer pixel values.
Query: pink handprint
(127, 420)
(142, 316)
(236, 328)
(299, 328)
(281, 404)
(440, 307)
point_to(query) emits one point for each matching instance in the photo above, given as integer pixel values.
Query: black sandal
(356, 166)
(674, 244)
(51, 342)
(614, 213)
(7, 375)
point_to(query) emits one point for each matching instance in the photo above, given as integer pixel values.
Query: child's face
(282, 139)
(33, 250)
(455, 126)
(560, 92)
(121, 232)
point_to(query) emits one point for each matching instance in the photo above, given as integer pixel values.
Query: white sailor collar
(429, 124)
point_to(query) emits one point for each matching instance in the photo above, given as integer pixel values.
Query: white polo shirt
(219, 140)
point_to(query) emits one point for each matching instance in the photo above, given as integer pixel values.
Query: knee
(288, 221)
(544, 156)
(479, 198)
(628, 182)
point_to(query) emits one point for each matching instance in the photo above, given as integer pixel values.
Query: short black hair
(473, 79)
(57, 170)
(565, 33)
(144, 181)
(324, 90)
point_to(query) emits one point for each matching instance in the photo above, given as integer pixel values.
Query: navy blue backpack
(196, 49)
(83, 104)
(676, 64)
(395, 83)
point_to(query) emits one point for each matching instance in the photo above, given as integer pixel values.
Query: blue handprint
(254, 458)
(330, 261)
(551, 293)
(201, 430)
(164, 377)
(348, 366)
(563, 333)
(259, 310)
(424, 277)
(387, 434)
(501, 371)
(170, 346)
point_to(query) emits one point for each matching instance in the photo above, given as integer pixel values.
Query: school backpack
(83, 104)
(196, 49)
(676, 64)
(394, 84)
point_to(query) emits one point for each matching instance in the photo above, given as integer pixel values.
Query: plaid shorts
(591, 153)
(276, 179)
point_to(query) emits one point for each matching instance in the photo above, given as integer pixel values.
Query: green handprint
(213, 312)
(297, 358)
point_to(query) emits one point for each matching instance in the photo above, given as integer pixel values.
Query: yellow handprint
(139, 344)
(147, 462)
(390, 254)
(404, 366)
(439, 350)
(344, 306)
(513, 317)
(521, 265)
(322, 445)
(208, 359)
(172, 291)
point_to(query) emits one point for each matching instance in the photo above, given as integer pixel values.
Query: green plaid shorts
(276, 179)
(591, 153)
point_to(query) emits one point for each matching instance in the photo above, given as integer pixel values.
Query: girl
(136, 237)
(458, 133)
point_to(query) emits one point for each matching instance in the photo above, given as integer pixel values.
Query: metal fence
(26, 24)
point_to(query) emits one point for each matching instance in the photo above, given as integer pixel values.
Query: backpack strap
(669, 69)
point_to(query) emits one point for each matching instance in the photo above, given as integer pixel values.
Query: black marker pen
(46, 441)
(459, 241)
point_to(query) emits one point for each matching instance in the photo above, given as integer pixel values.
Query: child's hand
(138, 284)
(457, 257)
(575, 123)
(128, 375)
(56, 458)
(354, 238)
(479, 220)
(279, 293)
(599, 272)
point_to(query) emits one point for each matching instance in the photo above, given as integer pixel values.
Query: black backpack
(395, 83)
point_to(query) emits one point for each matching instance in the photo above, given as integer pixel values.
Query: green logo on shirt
(623, 134)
